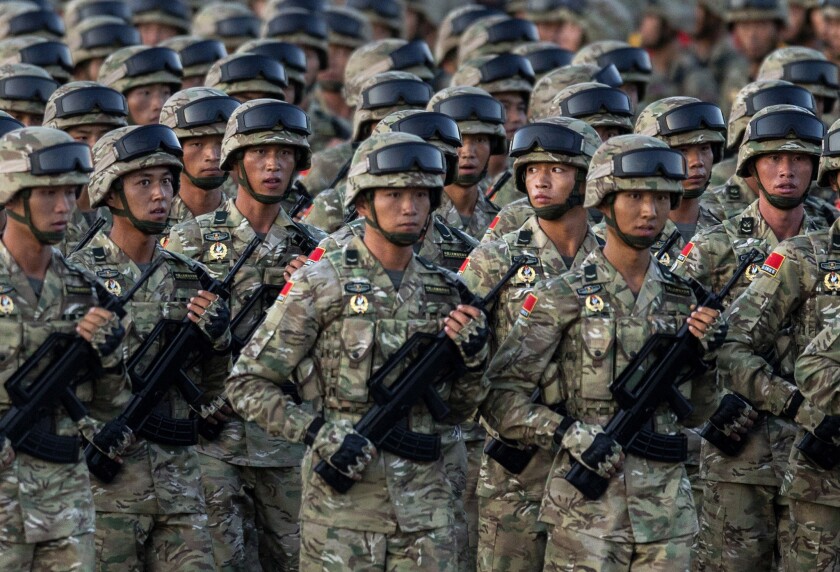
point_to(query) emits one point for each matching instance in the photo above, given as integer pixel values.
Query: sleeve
(818, 370)
(283, 340)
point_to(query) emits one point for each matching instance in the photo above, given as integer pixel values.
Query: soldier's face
(699, 160)
(269, 168)
(784, 174)
(50, 207)
(567, 35)
(148, 193)
(201, 156)
(474, 154)
(516, 111)
(402, 210)
(755, 38)
(641, 214)
(607, 132)
(313, 64)
(88, 134)
(831, 35)
(153, 33)
(145, 103)
(549, 183)
(28, 119)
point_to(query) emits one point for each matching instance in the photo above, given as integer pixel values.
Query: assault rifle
(500, 182)
(178, 344)
(383, 424)
(655, 374)
(88, 236)
(303, 201)
(49, 377)
(666, 246)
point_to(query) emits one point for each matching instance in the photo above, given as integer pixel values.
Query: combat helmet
(242, 73)
(453, 26)
(494, 35)
(40, 157)
(389, 14)
(475, 111)
(684, 121)
(780, 129)
(598, 104)
(265, 122)
(544, 56)
(384, 93)
(85, 103)
(347, 27)
(173, 13)
(433, 127)
(78, 11)
(25, 88)
(8, 123)
(804, 67)
(757, 95)
(563, 140)
(126, 150)
(830, 157)
(548, 86)
(830, 8)
(580, 12)
(136, 66)
(632, 63)
(386, 55)
(290, 56)
(395, 160)
(197, 55)
(231, 23)
(27, 18)
(496, 74)
(300, 27)
(756, 10)
(51, 55)
(99, 37)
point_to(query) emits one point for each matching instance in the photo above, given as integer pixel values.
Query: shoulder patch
(528, 306)
(590, 273)
(773, 263)
(677, 290)
(587, 290)
(315, 256)
(436, 289)
(685, 252)
(98, 254)
(281, 297)
(216, 236)
(523, 237)
(464, 265)
(733, 193)
(357, 287)
(351, 257)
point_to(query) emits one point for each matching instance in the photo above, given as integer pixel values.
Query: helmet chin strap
(575, 199)
(696, 193)
(781, 203)
(144, 226)
(470, 180)
(207, 183)
(397, 238)
(44, 237)
(259, 197)
(637, 242)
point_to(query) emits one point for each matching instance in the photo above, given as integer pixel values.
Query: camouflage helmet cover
(45, 22)
(257, 84)
(169, 112)
(362, 117)
(738, 117)
(374, 58)
(469, 74)
(82, 54)
(475, 126)
(181, 43)
(602, 180)
(749, 10)
(299, 37)
(548, 86)
(12, 50)
(449, 36)
(293, 74)
(234, 141)
(77, 11)
(385, 126)
(114, 71)
(394, 23)
(97, 117)
(591, 142)
(750, 149)
(359, 178)
(829, 159)
(175, 13)
(774, 67)
(34, 106)
(648, 124)
(107, 167)
(476, 40)
(17, 146)
(590, 54)
(601, 119)
(206, 23)
(335, 37)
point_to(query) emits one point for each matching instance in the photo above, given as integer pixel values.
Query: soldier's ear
(833, 179)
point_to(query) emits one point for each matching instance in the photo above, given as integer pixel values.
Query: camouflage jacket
(178, 211)
(39, 500)
(344, 314)
(76, 229)
(481, 218)
(216, 239)
(574, 334)
(327, 210)
(326, 127)
(510, 218)
(818, 378)
(481, 271)
(796, 291)
(507, 194)
(326, 165)
(155, 479)
(721, 172)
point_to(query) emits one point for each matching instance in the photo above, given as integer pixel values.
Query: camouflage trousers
(475, 449)
(510, 539)
(138, 542)
(327, 549)
(570, 551)
(69, 554)
(229, 513)
(455, 463)
(815, 537)
(742, 527)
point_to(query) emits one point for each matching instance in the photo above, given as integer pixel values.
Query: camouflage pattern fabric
(721, 173)
(43, 502)
(344, 314)
(484, 213)
(564, 343)
(506, 194)
(179, 212)
(328, 130)
(230, 514)
(327, 210)
(77, 227)
(325, 167)
(510, 218)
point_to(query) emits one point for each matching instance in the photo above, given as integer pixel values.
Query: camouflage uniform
(266, 467)
(338, 301)
(209, 19)
(326, 165)
(46, 508)
(769, 325)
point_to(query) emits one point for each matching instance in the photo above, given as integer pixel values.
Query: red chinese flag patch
(285, 291)
(307, 211)
(773, 263)
(685, 252)
(315, 256)
(528, 306)
(464, 265)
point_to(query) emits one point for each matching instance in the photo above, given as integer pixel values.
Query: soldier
(711, 40)
(145, 76)
(548, 87)
(94, 39)
(349, 29)
(386, 17)
(20, 18)
(233, 24)
(573, 336)
(449, 36)
(159, 20)
(24, 91)
(47, 520)
(632, 63)
(551, 161)
(51, 55)
(291, 57)
(196, 55)
(155, 501)
(77, 11)
(264, 145)
(494, 35)
(770, 323)
(198, 116)
(544, 57)
(381, 95)
(806, 68)
(367, 294)
(570, 25)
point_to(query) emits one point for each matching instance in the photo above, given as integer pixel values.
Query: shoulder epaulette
(523, 237)
(351, 257)
(442, 229)
(98, 254)
(733, 193)
(426, 263)
(220, 217)
(590, 273)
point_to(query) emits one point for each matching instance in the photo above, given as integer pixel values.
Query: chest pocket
(597, 337)
(355, 360)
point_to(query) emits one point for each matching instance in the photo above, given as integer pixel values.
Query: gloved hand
(340, 446)
(212, 315)
(593, 448)
(733, 417)
(112, 438)
(103, 330)
(7, 454)
(829, 430)
(467, 327)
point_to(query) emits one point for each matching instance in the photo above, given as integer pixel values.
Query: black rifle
(666, 246)
(653, 377)
(49, 377)
(88, 236)
(438, 359)
(500, 182)
(303, 201)
(178, 343)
